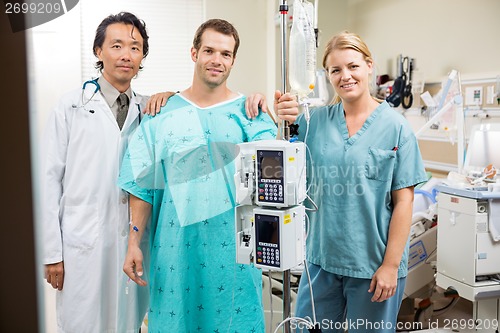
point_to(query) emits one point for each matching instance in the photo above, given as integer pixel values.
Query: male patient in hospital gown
(182, 163)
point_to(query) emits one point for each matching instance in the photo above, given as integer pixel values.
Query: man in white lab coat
(85, 213)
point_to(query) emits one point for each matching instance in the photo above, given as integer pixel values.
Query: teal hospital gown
(182, 162)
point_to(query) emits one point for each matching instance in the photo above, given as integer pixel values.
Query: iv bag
(302, 66)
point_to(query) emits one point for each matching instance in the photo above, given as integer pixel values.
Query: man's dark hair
(122, 17)
(221, 26)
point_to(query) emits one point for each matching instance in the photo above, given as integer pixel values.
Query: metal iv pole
(283, 8)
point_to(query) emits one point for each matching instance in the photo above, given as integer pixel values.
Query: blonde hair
(342, 41)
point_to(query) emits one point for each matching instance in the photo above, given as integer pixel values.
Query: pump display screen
(267, 240)
(270, 176)
(271, 168)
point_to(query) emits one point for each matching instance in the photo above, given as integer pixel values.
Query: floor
(449, 320)
(50, 311)
(461, 311)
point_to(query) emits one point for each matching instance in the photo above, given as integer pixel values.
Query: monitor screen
(267, 229)
(271, 167)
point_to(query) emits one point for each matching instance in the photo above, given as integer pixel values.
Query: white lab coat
(85, 215)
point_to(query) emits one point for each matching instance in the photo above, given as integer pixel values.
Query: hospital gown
(181, 161)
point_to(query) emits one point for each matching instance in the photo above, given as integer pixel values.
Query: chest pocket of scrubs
(80, 226)
(380, 164)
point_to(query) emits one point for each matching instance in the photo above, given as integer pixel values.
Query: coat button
(124, 200)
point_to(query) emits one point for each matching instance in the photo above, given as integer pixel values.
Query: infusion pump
(270, 180)
(270, 238)
(271, 173)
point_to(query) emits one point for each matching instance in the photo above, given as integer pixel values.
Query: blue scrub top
(351, 179)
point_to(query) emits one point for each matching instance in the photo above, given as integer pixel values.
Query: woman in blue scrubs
(366, 161)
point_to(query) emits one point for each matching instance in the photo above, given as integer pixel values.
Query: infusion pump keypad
(271, 190)
(268, 254)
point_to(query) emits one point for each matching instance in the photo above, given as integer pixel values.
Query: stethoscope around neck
(97, 88)
(84, 103)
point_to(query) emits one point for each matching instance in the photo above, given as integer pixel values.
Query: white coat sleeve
(55, 145)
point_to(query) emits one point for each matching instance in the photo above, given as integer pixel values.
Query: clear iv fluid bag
(302, 56)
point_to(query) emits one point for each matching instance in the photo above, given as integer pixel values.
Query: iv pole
(285, 134)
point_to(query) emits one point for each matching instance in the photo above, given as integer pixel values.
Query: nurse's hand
(252, 104)
(286, 106)
(156, 101)
(133, 265)
(54, 274)
(384, 283)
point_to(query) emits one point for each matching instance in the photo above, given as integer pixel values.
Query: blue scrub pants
(343, 303)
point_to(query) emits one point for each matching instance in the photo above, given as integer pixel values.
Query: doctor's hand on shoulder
(285, 106)
(156, 101)
(54, 274)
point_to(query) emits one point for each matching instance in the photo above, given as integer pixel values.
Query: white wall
(441, 35)
(253, 20)
(332, 19)
(54, 63)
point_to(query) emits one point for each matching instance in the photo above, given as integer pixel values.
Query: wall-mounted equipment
(401, 90)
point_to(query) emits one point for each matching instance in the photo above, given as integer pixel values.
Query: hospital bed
(463, 250)
(469, 229)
